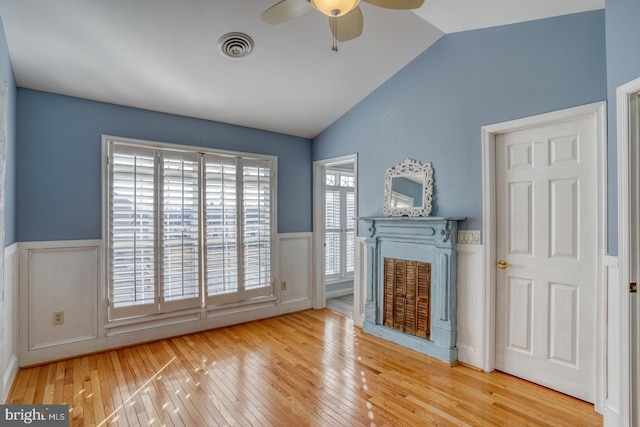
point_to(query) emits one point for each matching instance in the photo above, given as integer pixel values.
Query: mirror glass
(408, 189)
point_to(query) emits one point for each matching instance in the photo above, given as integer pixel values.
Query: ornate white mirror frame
(417, 178)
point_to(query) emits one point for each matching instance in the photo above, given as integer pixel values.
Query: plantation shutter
(221, 229)
(350, 230)
(132, 232)
(180, 230)
(186, 229)
(256, 227)
(332, 216)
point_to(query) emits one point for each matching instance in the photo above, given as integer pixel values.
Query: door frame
(319, 168)
(623, 98)
(488, 287)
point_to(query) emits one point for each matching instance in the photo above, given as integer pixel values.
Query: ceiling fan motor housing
(335, 7)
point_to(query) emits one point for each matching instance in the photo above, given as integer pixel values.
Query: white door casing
(634, 244)
(628, 132)
(546, 218)
(561, 293)
(319, 188)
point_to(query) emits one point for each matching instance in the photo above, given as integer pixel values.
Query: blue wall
(623, 66)
(59, 169)
(6, 72)
(434, 108)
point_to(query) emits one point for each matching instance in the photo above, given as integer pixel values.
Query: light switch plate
(469, 237)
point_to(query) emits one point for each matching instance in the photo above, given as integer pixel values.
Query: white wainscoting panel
(67, 276)
(295, 267)
(59, 277)
(9, 321)
(471, 305)
(611, 410)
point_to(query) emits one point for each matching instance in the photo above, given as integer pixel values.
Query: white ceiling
(162, 55)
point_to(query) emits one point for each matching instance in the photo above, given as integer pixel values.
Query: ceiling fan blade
(348, 26)
(396, 4)
(285, 10)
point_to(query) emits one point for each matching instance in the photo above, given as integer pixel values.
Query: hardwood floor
(311, 368)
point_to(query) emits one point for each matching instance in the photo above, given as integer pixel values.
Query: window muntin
(186, 228)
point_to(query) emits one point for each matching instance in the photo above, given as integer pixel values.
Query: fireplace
(411, 283)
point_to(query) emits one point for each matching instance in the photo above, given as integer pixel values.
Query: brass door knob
(502, 265)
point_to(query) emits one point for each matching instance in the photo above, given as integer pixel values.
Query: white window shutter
(256, 227)
(186, 229)
(132, 233)
(221, 227)
(333, 209)
(350, 230)
(180, 210)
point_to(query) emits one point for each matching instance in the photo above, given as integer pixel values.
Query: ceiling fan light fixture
(335, 8)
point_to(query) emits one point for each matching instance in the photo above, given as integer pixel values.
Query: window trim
(207, 301)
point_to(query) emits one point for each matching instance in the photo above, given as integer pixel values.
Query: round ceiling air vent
(235, 45)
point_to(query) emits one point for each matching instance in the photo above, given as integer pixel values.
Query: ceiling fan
(345, 16)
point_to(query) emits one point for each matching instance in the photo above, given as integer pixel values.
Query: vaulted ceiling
(162, 55)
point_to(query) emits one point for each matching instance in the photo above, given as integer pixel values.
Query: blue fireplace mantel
(424, 239)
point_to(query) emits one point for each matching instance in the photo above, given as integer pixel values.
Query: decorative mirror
(408, 189)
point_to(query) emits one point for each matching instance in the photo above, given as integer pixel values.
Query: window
(339, 225)
(399, 200)
(186, 228)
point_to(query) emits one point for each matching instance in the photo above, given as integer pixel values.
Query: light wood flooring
(311, 368)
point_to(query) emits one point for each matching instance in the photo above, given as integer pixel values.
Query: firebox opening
(407, 295)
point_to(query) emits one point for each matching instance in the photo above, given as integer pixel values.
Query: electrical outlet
(58, 318)
(283, 285)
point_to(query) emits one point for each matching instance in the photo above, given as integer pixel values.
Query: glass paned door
(339, 225)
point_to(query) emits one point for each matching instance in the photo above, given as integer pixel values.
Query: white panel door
(546, 242)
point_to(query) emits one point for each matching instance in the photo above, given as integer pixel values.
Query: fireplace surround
(425, 243)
